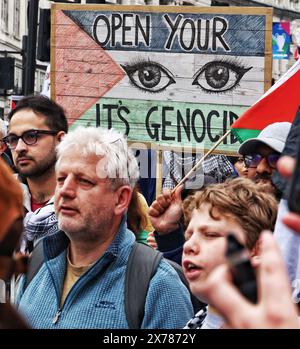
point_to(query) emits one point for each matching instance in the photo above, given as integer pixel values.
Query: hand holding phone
(243, 275)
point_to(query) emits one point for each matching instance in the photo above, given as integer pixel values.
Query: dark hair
(53, 113)
(233, 159)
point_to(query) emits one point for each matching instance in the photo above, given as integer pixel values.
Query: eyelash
(85, 181)
(161, 73)
(234, 66)
(212, 235)
(60, 180)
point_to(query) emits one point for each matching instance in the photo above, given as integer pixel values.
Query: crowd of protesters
(82, 212)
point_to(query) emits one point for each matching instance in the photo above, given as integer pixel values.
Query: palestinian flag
(279, 103)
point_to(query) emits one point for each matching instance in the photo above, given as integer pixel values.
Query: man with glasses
(36, 126)
(262, 153)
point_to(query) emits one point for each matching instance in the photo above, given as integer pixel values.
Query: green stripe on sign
(166, 123)
(243, 134)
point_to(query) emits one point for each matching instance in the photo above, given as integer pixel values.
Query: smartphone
(294, 191)
(242, 272)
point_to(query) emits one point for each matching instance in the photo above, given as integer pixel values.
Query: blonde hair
(253, 207)
(136, 217)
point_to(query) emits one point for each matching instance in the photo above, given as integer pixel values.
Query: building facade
(13, 26)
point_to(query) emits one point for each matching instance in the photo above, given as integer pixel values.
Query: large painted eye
(218, 76)
(149, 76)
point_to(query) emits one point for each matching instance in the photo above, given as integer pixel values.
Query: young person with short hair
(239, 207)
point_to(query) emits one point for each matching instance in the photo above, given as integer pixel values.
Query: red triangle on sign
(82, 70)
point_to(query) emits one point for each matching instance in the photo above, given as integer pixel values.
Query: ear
(255, 254)
(60, 135)
(122, 199)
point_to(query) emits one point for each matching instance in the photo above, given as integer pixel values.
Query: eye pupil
(220, 71)
(13, 140)
(149, 76)
(29, 137)
(217, 76)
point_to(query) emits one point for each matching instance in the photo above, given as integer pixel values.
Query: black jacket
(291, 149)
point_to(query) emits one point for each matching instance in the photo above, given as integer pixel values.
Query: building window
(4, 15)
(17, 19)
(41, 81)
(18, 79)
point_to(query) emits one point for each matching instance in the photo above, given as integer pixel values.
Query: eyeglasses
(253, 161)
(29, 137)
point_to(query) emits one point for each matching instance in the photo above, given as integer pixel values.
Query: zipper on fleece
(56, 317)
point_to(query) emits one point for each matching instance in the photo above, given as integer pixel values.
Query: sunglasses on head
(254, 160)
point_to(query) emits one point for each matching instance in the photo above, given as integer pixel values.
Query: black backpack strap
(36, 260)
(141, 266)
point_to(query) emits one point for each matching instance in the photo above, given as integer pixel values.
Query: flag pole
(187, 176)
